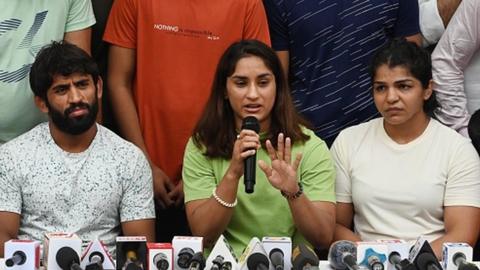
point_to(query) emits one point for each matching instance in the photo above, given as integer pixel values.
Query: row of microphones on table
(61, 251)
(398, 255)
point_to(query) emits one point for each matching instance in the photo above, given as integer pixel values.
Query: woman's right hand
(246, 144)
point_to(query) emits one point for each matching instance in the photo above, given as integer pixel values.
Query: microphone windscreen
(257, 260)
(276, 257)
(251, 123)
(65, 257)
(337, 252)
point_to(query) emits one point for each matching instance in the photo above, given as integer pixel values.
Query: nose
(74, 95)
(252, 91)
(392, 95)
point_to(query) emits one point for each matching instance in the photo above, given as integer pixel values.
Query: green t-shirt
(264, 212)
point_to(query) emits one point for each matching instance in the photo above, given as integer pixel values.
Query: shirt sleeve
(256, 26)
(137, 200)
(408, 19)
(343, 183)
(80, 15)
(198, 177)
(449, 60)
(277, 25)
(10, 190)
(431, 23)
(121, 26)
(463, 179)
(317, 173)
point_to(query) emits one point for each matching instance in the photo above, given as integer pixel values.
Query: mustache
(76, 106)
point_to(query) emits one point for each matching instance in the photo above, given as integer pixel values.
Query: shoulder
(25, 143)
(361, 130)
(115, 145)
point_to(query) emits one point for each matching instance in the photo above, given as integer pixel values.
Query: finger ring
(238, 136)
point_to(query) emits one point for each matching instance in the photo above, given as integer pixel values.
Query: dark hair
(216, 128)
(59, 58)
(400, 52)
(474, 130)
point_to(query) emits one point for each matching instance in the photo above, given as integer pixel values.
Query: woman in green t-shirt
(292, 161)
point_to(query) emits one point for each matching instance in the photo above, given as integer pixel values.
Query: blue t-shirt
(330, 45)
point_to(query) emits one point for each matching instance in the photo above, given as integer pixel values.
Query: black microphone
(250, 123)
(257, 261)
(18, 258)
(96, 261)
(217, 262)
(277, 258)
(197, 262)
(304, 258)
(226, 266)
(460, 260)
(68, 259)
(184, 257)
(343, 255)
(161, 261)
(427, 261)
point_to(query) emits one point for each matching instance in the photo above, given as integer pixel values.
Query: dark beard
(74, 125)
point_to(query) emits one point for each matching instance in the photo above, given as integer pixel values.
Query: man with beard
(72, 174)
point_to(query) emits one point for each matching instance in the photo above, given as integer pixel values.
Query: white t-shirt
(87, 193)
(399, 190)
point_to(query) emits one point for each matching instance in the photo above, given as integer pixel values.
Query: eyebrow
(58, 86)
(399, 81)
(263, 75)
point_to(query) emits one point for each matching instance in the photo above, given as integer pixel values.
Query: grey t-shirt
(88, 193)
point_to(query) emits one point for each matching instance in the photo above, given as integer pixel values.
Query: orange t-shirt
(178, 45)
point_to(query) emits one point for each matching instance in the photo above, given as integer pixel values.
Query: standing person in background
(25, 27)
(434, 18)
(456, 68)
(325, 47)
(162, 60)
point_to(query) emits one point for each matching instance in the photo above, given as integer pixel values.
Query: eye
(240, 83)
(264, 82)
(61, 90)
(379, 88)
(404, 86)
(83, 84)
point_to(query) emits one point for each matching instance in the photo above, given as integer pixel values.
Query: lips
(78, 112)
(393, 110)
(252, 108)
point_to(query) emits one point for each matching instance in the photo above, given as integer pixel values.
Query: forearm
(209, 219)
(344, 233)
(457, 236)
(313, 221)
(125, 112)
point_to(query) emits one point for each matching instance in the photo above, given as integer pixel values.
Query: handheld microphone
(161, 261)
(304, 258)
(250, 123)
(18, 258)
(342, 255)
(276, 257)
(197, 262)
(184, 257)
(68, 259)
(427, 261)
(460, 260)
(257, 261)
(217, 262)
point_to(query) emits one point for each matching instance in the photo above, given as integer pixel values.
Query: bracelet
(222, 202)
(290, 196)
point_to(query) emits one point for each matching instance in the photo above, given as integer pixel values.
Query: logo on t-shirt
(186, 32)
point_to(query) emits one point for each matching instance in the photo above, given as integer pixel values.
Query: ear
(428, 91)
(99, 87)
(41, 104)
